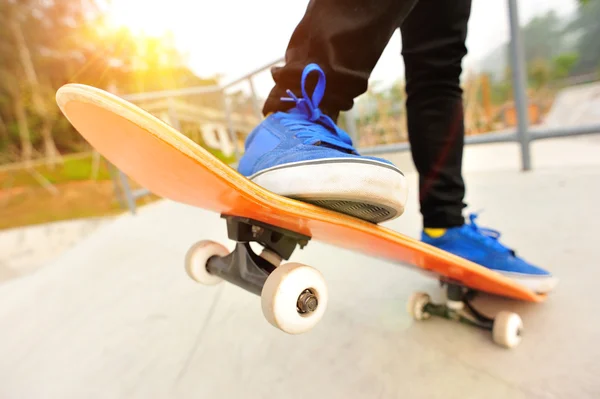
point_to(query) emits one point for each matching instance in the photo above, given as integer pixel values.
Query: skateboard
(293, 296)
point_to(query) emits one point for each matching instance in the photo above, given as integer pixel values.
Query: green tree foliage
(555, 49)
(47, 43)
(563, 65)
(587, 25)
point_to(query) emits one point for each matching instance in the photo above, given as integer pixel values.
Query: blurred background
(206, 72)
(94, 300)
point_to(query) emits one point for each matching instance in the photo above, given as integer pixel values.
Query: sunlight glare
(144, 18)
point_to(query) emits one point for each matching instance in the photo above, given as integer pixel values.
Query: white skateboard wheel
(281, 293)
(507, 329)
(416, 306)
(196, 260)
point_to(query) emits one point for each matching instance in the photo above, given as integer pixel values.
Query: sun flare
(144, 18)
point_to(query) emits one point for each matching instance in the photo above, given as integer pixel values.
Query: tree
(10, 76)
(543, 37)
(538, 73)
(26, 48)
(563, 64)
(47, 43)
(588, 48)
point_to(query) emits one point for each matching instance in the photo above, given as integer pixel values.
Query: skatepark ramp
(117, 317)
(575, 106)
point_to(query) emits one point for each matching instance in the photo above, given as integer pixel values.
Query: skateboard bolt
(256, 231)
(307, 302)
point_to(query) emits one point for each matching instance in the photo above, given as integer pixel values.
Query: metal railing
(121, 181)
(523, 134)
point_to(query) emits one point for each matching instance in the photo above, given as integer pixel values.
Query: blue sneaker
(481, 246)
(303, 154)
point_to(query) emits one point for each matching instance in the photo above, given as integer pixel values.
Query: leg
(298, 151)
(433, 46)
(346, 39)
(433, 38)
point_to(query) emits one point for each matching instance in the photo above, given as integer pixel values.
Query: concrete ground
(24, 250)
(117, 317)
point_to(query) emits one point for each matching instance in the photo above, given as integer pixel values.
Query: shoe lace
(308, 122)
(487, 236)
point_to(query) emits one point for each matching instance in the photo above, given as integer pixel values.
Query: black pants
(346, 38)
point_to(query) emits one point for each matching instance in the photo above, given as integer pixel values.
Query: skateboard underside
(170, 165)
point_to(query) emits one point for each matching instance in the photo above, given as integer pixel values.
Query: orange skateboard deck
(172, 166)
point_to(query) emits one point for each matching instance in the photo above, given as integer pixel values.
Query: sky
(233, 37)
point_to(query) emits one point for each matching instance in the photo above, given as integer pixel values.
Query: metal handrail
(523, 134)
(194, 90)
(121, 180)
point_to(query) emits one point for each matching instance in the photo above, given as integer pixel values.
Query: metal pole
(519, 83)
(127, 190)
(349, 117)
(230, 128)
(173, 118)
(114, 176)
(255, 105)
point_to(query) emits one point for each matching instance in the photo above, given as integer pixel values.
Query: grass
(23, 201)
(72, 169)
(35, 205)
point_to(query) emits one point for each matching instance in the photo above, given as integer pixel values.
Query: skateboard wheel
(507, 329)
(416, 305)
(294, 298)
(197, 258)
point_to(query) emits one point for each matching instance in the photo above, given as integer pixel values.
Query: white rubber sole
(363, 188)
(537, 284)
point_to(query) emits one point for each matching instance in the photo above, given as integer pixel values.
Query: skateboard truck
(243, 267)
(293, 295)
(506, 327)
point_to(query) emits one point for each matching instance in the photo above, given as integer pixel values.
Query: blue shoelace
(309, 122)
(485, 235)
